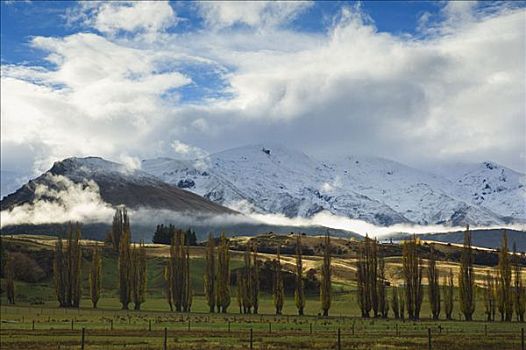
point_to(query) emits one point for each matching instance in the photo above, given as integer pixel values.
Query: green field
(36, 322)
(56, 328)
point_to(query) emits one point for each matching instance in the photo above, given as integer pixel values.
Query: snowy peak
(115, 183)
(495, 187)
(277, 179)
(93, 166)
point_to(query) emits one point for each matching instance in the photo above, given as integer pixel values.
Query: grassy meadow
(36, 322)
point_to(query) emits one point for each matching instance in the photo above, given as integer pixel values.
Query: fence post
(71, 324)
(429, 338)
(251, 340)
(165, 342)
(189, 324)
(33, 325)
(270, 327)
(339, 340)
(82, 338)
(111, 324)
(397, 329)
(311, 328)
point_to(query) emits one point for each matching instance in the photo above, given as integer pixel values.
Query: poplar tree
(179, 271)
(210, 274)
(383, 303)
(363, 272)
(395, 306)
(168, 284)
(505, 294)
(299, 293)
(448, 295)
(187, 292)
(10, 279)
(279, 292)
(119, 225)
(434, 286)
(67, 268)
(520, 291)
(401, 299)
(239, 290)
(466, 277)
(138, 275)
(125, 267)
(223, 276)
(373, 276)
(95, 276)
(412, 268)
(74, 252)
(247, 290)
(325, 285)
(501, 302)
(177, 268)
(489, 297)
(371, 281)
(255, 282)
(59, 273)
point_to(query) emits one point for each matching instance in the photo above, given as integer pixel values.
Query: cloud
(256, 14)
(72, 202)
(92, 103)
(185, 151)
(66, 200)
(454, 95)
(114, 17)
(326, 219)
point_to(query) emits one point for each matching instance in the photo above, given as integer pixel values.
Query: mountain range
(279, 180)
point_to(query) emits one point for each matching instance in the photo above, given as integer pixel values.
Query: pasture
(36, 321)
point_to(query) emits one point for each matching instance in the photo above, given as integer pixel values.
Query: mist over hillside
(258, 188)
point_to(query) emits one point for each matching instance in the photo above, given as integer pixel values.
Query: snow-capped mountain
(276, 179)
(493, 186)
(115, 183)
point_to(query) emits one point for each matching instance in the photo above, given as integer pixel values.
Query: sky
(418, 82)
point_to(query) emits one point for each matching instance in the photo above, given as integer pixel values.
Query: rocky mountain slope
(117, 185)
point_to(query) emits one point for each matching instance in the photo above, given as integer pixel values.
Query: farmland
(36, 322)
(110, 328)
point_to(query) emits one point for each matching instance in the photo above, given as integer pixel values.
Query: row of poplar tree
(503, 291)
(217, 277)
(131, 266)
(499, 293)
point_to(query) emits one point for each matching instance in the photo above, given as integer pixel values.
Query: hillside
(116, 185)
(482, 238)
(344, 251)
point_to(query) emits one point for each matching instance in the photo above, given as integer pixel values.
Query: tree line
(499, 293)
(503, 292)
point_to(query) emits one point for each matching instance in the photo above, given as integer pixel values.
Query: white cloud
(67, 201)
(185, 151)
(93, 103)
(456, 95)
(113, 17)
(326, 219)
(257, 14)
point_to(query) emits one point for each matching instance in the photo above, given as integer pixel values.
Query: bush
(26, 268)
(36, 301)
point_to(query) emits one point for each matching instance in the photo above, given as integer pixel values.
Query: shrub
(26, 268)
